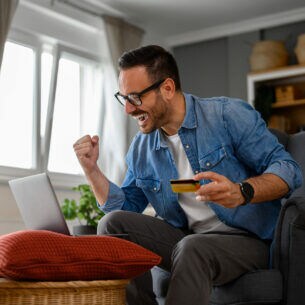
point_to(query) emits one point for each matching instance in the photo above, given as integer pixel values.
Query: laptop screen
(38, 204)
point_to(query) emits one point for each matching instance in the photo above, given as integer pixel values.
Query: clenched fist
(87, 152)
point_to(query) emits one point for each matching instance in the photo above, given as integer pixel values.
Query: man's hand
(221, 190)
(87, 152)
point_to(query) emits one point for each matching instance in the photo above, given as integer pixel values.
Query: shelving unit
(289, 104)
(287, 115)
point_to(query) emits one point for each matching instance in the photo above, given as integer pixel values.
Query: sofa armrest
(289, 249)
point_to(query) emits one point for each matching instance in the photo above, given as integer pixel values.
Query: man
(224, 229)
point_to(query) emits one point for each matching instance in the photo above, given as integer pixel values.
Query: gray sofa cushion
(282, 136)
(289, 250)
(296, 147)
(160, 280)
(257, 287)
(254, 288)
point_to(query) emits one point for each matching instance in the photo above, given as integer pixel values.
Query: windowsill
(59, 180)
(66, 181)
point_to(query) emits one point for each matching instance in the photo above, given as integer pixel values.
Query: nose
(129, 108)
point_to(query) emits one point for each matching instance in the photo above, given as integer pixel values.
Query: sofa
(284, 282)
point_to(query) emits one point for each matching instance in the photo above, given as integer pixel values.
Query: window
(16, 106)
(75, 112)
(46, 72)
(69, 103)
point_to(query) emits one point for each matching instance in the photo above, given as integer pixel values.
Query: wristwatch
(247, 191)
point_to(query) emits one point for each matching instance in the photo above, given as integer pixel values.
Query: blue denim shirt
(222, 135)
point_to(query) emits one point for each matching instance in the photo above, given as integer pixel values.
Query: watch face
(247, 191)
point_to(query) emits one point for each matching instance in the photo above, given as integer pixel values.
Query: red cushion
(45, 255)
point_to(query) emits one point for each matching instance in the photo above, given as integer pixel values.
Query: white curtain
(7, 10)
(115, 125)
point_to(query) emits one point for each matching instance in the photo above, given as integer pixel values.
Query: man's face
(152, 114)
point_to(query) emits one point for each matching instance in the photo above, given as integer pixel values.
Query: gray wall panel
(220, 67)
(203, 67)
(239, 51)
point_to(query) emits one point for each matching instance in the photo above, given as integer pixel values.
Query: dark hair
(159, 63)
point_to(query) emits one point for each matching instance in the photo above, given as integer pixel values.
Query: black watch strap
(247, 191)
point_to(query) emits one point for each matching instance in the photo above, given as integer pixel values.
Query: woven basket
(300, 49)
(110, 292)
(268, 54)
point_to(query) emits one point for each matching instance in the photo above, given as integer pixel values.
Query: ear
(168, 89)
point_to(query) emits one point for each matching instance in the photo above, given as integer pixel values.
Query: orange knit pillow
(50, 256)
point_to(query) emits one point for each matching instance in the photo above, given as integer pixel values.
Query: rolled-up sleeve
(115, 201)
(289, 171)
(129, 197)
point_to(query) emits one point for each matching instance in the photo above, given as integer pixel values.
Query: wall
(220, 66)
(10, 219)
(203, 67)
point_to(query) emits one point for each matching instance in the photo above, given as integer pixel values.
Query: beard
(156, 119)
(157, 116)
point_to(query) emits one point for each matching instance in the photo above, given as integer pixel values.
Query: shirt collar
(189, 122)
(190, 119)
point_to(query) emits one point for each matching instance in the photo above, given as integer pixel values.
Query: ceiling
(174, 17)
(171, 20)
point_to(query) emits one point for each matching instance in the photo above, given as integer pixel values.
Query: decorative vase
(268, 54)
(300, 49)
(84, 230)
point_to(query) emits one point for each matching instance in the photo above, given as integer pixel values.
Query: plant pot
(300, 49)
(267, 55)
(84, 230)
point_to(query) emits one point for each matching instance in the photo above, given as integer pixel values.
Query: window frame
(41, 145)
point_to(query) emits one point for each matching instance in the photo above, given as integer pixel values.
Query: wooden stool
(109, 292)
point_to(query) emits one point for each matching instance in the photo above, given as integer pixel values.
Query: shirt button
(208, 164)
(155, 188)
(187, 146)
(196, 172)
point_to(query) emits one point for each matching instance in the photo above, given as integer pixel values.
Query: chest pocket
(149, 185)
(212, 159)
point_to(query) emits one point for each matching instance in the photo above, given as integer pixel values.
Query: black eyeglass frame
(130, 97)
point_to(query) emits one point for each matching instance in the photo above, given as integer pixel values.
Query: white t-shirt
(201, 218)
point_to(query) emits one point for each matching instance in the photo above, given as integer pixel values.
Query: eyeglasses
(135, 98)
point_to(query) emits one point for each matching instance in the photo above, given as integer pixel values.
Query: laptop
(38, 204)
(39, 207)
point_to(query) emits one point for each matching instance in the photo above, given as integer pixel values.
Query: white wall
(10, 219)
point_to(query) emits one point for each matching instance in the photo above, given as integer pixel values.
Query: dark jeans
(196, 261)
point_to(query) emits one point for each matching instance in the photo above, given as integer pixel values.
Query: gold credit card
(184, 185)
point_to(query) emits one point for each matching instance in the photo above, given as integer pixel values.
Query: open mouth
(141, 118)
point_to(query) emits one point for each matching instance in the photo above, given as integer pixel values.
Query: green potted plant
(85, 210)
